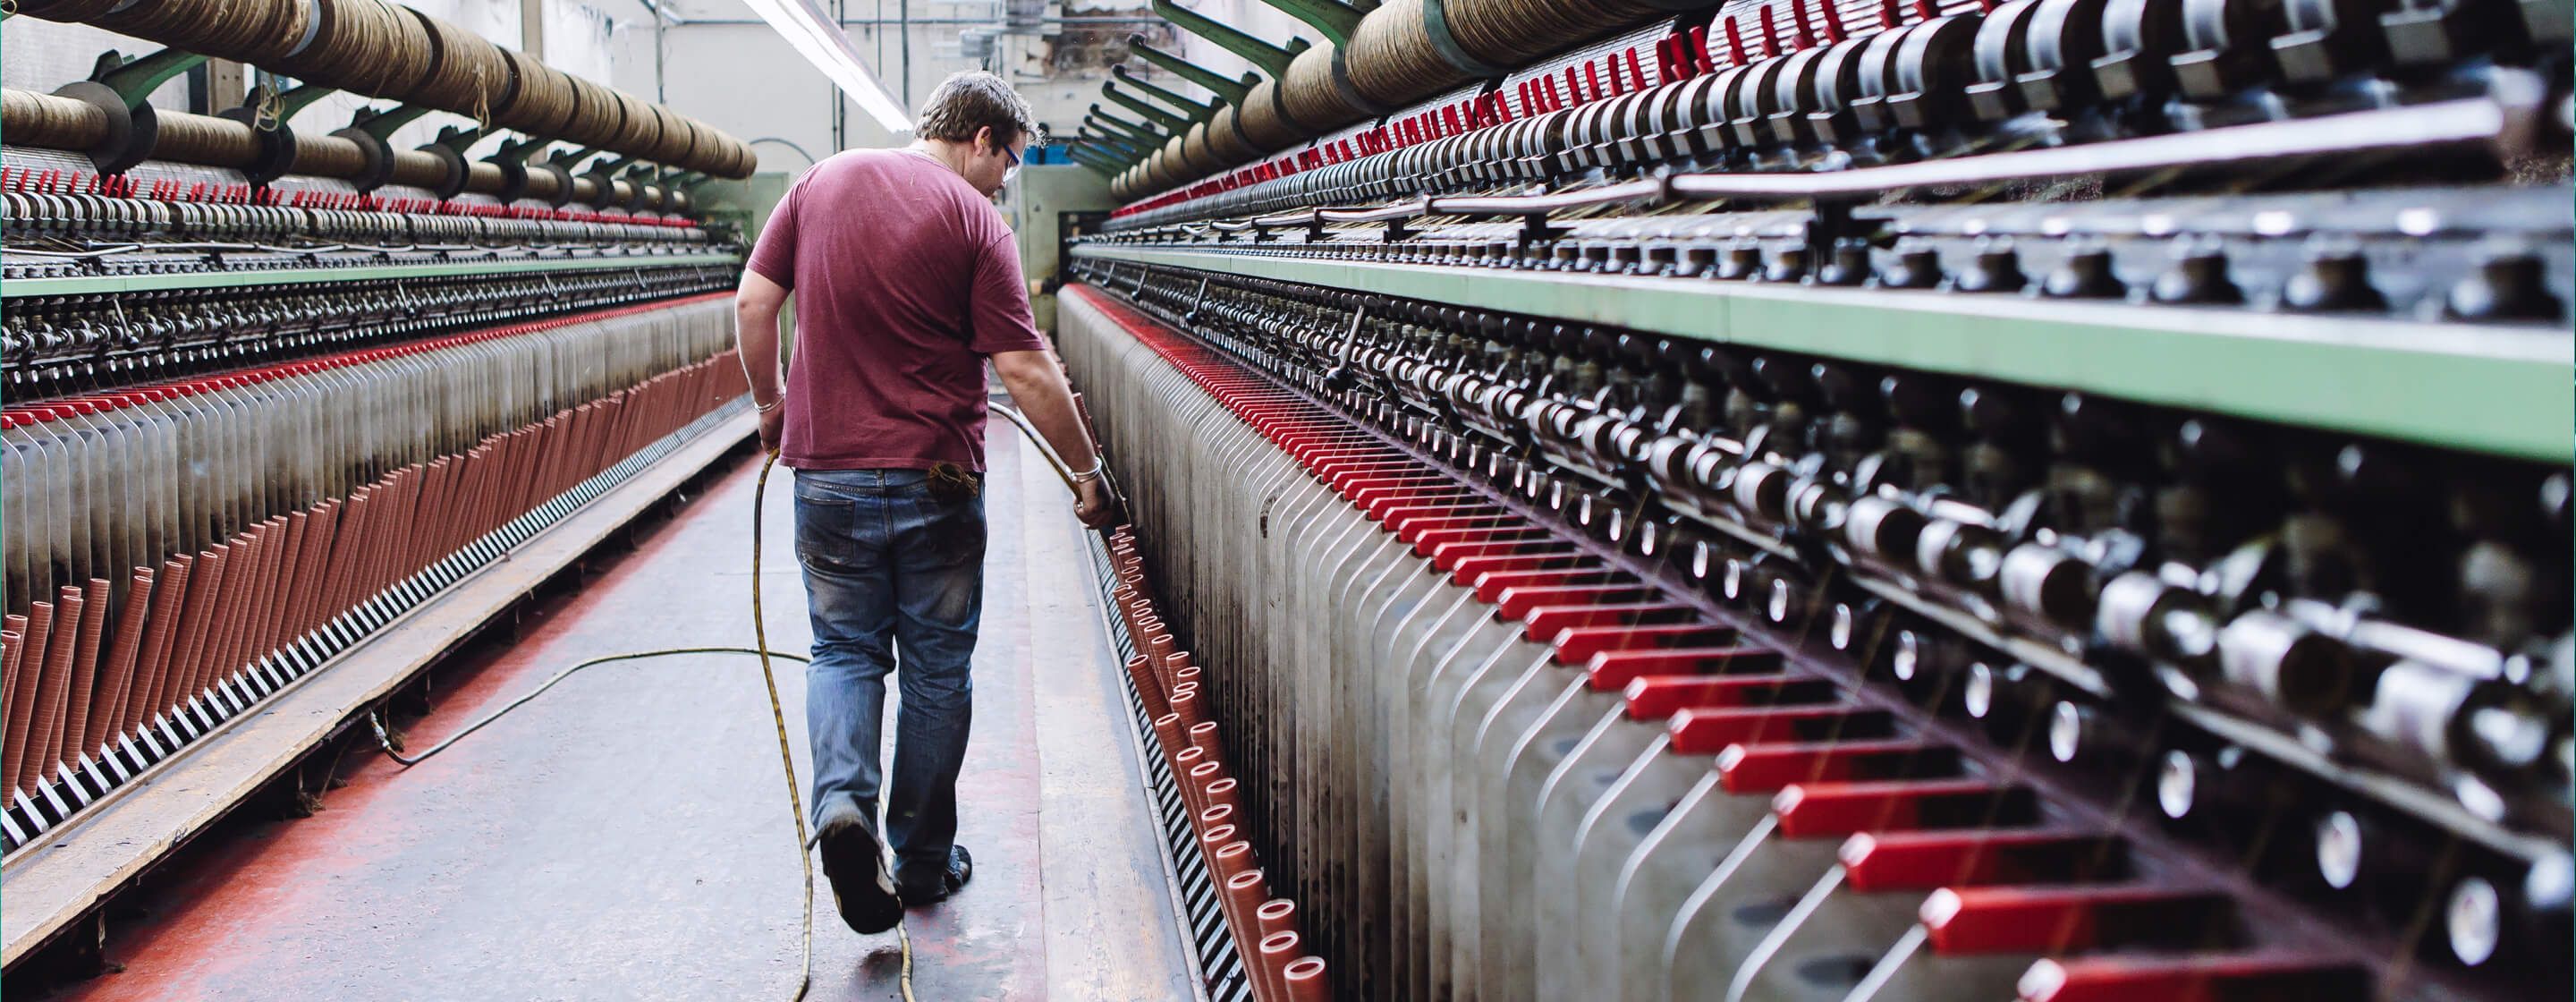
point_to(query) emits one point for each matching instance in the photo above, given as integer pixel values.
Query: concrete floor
(626, 836)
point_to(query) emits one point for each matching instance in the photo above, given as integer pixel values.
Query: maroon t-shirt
(905, 278)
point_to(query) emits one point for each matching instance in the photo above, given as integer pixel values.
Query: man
(906, 281)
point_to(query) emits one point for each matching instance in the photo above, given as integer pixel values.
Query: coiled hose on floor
(768, 676)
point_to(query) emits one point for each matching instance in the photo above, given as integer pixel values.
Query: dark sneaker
(921, 884)
(854, 861)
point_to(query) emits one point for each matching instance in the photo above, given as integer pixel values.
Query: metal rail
(2498, 390)
(2500, 124)
(89, 285)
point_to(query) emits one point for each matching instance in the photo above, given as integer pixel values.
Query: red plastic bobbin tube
(1185, 702)
(1201, 777)
(1224, 792)
(1230, 859)
(1305, 980)
(1270, 962)
(1202, 736)
(1215, 837)
(1184, 760)
(1213, 816)
(1244, 893)
(1150, 694)
(1275, 916)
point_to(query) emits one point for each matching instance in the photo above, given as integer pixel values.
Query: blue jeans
(889, 567)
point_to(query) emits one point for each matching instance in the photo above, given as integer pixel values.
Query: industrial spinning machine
(1819, 500)
(272, 382)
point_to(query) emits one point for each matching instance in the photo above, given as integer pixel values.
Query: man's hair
(966, 102)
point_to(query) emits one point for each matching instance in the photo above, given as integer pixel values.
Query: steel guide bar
(2499, 391)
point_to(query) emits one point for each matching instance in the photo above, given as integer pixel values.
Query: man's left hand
(1094, 505)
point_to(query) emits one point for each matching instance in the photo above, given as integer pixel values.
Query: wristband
(770, 406)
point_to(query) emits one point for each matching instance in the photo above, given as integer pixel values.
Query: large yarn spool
(365, 46)
(1195, 152)
(701, 142)
(1176, 151)
(643, 131)
(328, 156)
(484, 177)
(543, 101)
(31, 119)
(1262, 122)
(1392, 60)
(203, 139)
(679, 137)
(1310, 96)
(543, 185)
(601, 118)
(270, 28)
(1517, 32)
(1225, 137)
(468, 72)
(417, 169)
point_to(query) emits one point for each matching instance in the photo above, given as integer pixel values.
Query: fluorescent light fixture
(823, 44)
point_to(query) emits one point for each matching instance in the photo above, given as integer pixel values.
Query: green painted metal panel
(2500, 390)
(92, 285)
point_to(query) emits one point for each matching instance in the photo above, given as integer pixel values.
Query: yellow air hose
(777, 708)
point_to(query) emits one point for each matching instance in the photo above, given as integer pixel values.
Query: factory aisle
(625, 838)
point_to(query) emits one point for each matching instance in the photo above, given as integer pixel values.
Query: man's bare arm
(1037, 384)
(755, 332)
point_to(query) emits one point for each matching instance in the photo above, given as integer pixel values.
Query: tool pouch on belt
(951, 483)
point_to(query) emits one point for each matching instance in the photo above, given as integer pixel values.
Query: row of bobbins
(1264, 928)
(1839, 74)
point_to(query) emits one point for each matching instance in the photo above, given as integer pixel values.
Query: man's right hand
(1095, 505)
(772, 425)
